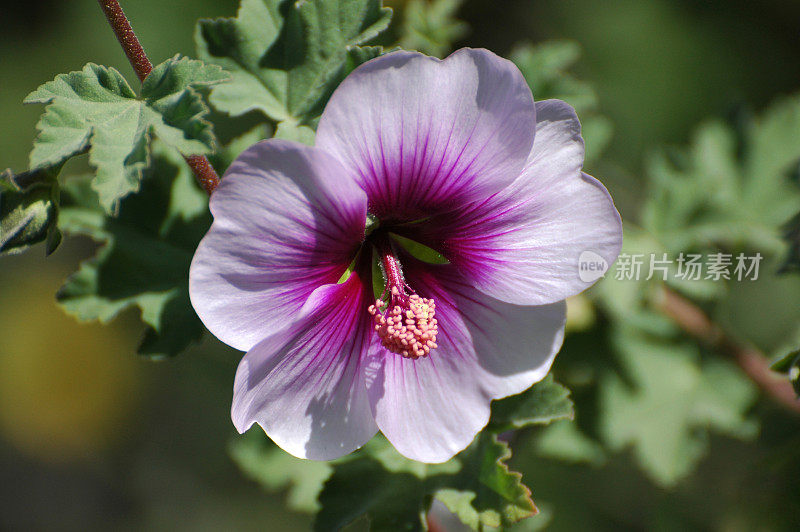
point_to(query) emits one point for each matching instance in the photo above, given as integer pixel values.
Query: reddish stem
(126, 37)
(697, 324)
(203, 171)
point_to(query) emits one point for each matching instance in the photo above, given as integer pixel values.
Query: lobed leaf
(145, 256)
(395, 493)
(96, 110)
(486, 492)
(285, 58)
(542, 403)
(728, 190)
(672, 402)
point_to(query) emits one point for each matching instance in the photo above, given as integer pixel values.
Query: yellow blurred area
(581, 314)
(65, 388)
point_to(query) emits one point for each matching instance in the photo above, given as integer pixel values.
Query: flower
(452, 154)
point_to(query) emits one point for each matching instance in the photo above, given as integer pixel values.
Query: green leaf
(420, 251)
(672, 404)
(291, 131)
(395, 493)
(287, 57)
(545, 67)
(267, 464)
(728, 190)
(790, 365)
(225, 156)
(563, 440)
(431, 26)
(391, 500)
(486, 492)
(95, 109)
(146, 252)
(540, 404)
(29, 210)
(792, 236)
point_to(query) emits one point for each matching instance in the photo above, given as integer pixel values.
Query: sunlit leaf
(95, 109)
(734, 191)
(486, 492)
(287, 57)
(540, 404)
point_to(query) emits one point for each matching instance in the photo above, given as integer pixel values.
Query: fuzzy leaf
(672, 405)
(540, 404)
(286, 57)
(96, 109)
(145, 257)
(395, 493)
(29, 210)
(431, 26)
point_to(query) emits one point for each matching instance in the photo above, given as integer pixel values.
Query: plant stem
(697, 324)
(200, 165)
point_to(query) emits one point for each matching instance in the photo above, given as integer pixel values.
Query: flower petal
(305, 385)
(431, 408)
(287, 219)
(523, 245)
(421, 134)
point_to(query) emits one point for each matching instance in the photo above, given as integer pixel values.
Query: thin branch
(697, 324)
(127, 38)
(200, 165)
(204, 172)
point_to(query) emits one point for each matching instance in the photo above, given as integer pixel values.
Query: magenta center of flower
(405, 323)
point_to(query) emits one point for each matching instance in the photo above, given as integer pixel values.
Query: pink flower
(453, 154)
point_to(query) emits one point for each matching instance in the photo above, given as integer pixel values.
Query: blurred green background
(91, 437)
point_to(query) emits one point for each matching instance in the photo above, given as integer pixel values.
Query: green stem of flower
(200, 165)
